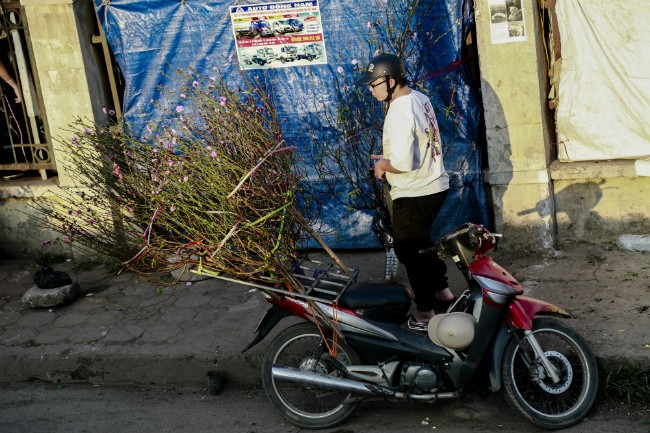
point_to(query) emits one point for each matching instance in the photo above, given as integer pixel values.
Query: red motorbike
(354, 344)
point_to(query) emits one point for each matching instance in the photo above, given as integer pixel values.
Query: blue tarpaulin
(151, 39)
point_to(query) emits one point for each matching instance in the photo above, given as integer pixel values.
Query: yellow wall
(60, 65)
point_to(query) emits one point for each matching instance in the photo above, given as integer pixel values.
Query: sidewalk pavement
(124, 330)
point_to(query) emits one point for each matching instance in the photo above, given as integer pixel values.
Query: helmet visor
(366, 79)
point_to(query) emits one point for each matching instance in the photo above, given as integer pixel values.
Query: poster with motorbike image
(276, 35)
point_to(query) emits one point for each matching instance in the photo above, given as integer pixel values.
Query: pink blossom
(117, 172)
(74, 140)
(91, 221)
(340, 69)
(185, 178)
(183, 95)
(179, 109)
(213, 154)
(213, 79)
(172, 208)
(354, 61)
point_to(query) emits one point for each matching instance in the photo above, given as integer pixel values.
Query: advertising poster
(507, 21)
(274, 35)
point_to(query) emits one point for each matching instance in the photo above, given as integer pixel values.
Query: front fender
(496, 357)
(520, 315)
(523, 310)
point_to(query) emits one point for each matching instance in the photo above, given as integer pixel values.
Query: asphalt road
(41, 408)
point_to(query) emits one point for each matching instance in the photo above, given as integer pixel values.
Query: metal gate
(23, 125)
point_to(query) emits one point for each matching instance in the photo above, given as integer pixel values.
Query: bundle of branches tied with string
(213, 188)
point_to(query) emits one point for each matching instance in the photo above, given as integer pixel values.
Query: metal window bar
(23, 142)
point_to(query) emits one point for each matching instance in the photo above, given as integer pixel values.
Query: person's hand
(16, 88)
(378, 168)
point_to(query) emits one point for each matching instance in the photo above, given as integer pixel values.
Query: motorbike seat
(374, 295)
(359, 295)
(375, 301)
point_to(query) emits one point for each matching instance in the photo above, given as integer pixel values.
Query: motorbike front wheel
(530, 390)
(301, 346)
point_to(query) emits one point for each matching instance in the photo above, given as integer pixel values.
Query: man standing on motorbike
(412, 165)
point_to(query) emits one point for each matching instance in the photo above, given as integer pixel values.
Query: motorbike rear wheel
(530, 390)
(301, 346)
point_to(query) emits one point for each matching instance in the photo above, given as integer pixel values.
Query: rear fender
(271, 318)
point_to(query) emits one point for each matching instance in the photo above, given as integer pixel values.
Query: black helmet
(380, 66)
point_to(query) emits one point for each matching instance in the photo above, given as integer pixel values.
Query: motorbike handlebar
(465, 244)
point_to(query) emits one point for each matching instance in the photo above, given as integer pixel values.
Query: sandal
(415, 325)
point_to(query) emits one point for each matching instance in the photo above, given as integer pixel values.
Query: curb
(86, 366)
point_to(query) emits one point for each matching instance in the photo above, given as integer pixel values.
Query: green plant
(629, 382)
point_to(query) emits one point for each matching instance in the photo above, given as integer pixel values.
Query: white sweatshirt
(411, 141)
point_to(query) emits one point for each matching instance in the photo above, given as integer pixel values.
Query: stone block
(45, 298)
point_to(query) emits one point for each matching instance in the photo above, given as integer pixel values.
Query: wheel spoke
(302, 348)
(531, 389)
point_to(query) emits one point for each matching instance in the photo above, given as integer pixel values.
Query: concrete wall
(70, 81)
(62, 73)
(517, 131)
(22, 234)
(538, 202)
(597, 202)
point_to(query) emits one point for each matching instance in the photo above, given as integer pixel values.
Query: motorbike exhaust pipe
(323, 381)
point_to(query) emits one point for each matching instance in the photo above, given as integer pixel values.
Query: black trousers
(412, 221)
